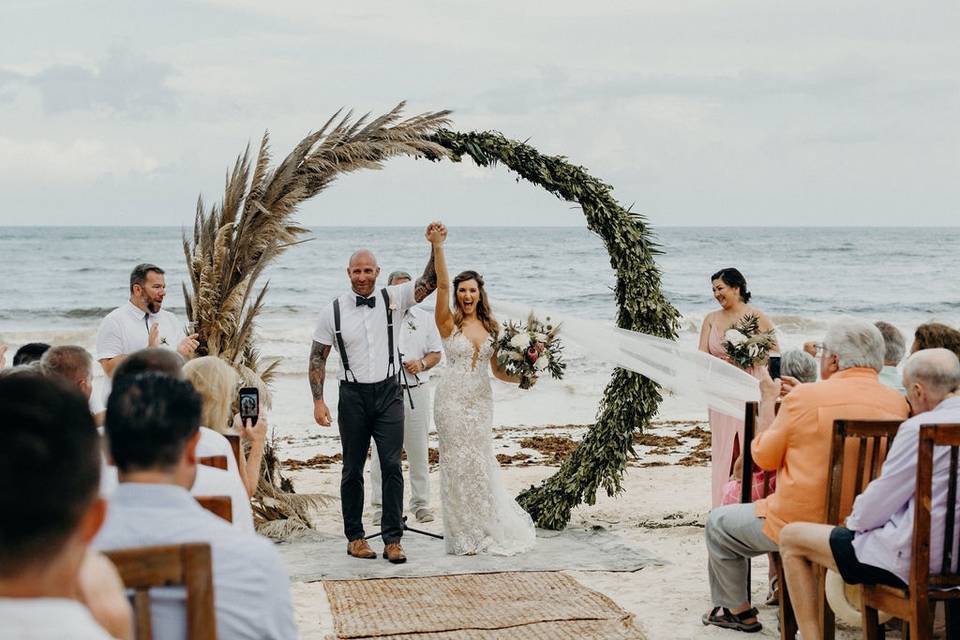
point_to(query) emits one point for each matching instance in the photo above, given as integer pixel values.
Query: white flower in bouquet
(515, 356)
(734, 337)
(542, 363)
(754, 350)
(520, 341)
(540, 337)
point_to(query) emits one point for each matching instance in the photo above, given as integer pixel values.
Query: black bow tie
(370, 302)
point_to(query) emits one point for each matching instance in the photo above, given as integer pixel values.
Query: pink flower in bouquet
(532, 354)
(540, 347)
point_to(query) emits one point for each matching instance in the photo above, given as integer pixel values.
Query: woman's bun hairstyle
(733, 278)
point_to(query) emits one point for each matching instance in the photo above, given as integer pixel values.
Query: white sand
(662, 511)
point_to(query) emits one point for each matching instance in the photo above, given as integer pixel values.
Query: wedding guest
(141, 322)
(894, 348)
(153, 425)
(876, 543)
(420, 349)
(49, 465)
(363, 324)
(796, 444)
(76, 365)
(798, 364)
(29, 353)
(730, 292)
(933, 335)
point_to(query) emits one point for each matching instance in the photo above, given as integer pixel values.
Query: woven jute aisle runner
(481, 606)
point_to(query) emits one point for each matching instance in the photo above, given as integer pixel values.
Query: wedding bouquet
(529, 350)
(746, 344)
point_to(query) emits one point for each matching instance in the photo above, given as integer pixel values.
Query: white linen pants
(416, 425)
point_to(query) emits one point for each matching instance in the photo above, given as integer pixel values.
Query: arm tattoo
(318, 368)
(427, 282)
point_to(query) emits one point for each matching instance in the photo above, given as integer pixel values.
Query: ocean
(58, 282)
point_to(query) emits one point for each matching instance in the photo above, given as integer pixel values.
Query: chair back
(218, 462)
(861, 442)
(187, 565)
(935, 435)
(751, 414)
(217, 505)
(234, 441)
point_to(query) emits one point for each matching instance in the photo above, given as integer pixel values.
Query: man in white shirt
(152, 427)
(49, 467)
(363, 325)
(420, 349)
(141, 323)
(875, 545)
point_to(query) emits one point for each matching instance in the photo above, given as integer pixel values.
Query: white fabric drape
(683, 370)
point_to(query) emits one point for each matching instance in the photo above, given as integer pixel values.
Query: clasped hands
(186, 348)
(436, 232)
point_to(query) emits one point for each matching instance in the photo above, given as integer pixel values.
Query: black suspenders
(347, 372)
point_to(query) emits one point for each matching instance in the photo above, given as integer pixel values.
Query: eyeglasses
(820, 349)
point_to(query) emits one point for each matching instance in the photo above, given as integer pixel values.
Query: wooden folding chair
(217, 462)
(217, 505)
(746, 476)
(187, 565)
(234, 441)
(914, 604)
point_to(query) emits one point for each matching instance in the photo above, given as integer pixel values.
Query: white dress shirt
(127, 329)
(418, 337)
(48, 619)
(364, 331)
(882, 515)
(251, 588)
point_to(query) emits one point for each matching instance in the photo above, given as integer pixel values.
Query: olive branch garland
(630, 401)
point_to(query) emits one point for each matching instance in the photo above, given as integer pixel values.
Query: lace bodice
(463, 358)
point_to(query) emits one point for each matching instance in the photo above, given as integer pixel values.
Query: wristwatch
(423, 365)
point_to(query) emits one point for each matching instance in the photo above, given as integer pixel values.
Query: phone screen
(249, 404)
(773, 365)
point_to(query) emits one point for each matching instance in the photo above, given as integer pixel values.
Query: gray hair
(856, 343)
(799, 364)
(895, 346)
(936, 369)
(398, 274)
(69, 361)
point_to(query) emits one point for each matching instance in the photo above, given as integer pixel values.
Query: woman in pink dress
(730, 290)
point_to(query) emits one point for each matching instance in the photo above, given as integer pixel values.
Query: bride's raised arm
(436, 234)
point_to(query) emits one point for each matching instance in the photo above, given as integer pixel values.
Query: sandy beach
(662, 510)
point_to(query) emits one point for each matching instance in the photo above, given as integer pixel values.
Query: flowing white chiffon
(680, 369)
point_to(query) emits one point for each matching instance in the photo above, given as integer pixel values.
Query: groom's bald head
(363, 271)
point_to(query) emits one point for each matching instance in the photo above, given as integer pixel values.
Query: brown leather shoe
(394, 553)
(360, 549)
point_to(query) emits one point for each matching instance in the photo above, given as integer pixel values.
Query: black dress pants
(365, 411)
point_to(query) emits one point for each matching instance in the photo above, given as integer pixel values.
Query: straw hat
(844, 599)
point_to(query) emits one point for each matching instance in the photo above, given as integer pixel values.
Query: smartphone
(773, 365)
(249, 404)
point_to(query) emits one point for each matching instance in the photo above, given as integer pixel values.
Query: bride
(479, 516)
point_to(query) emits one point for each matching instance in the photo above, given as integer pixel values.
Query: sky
(122, 112)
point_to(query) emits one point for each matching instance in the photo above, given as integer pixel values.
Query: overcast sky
(699, 113)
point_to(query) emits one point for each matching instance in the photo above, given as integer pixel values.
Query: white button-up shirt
(48, 619)
(127, 329)
(364, 331)
(418, 337)
(882, 515)
(251, 588)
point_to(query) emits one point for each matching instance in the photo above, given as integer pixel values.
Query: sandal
(723, 617)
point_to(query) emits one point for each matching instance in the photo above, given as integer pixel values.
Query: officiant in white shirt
(141, 322)
(419, 351)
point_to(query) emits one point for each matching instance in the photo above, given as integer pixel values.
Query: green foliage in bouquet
(529, 350)
(746, 344)
(630, 400)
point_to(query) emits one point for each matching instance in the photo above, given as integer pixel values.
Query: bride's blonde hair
(483, 307)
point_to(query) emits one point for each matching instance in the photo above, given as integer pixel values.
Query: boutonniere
(163, 341)
(412, 326)
(393, 304)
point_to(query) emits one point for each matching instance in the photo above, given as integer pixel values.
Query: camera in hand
(249, 404)
(773, 365)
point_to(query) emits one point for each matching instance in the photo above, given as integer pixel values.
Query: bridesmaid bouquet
(529, 350)
(746, 344)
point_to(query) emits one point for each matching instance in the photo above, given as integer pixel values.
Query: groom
(363, 327)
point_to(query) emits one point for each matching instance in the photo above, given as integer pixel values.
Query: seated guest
(29, 353)
(217, 383)
(796, 444)
(875, 545)
(894, 348)
(49, 467)
(933, 335)
(75, 364)
(799, 365)
(153, 429)
(210, 481)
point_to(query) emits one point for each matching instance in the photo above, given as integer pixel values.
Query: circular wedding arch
(234, 241)
(630, 400)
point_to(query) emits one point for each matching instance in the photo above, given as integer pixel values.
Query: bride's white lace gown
(479, 516)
